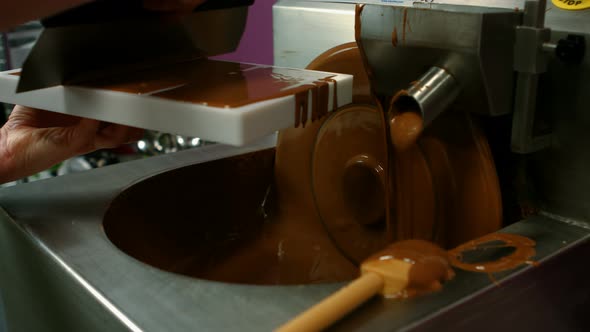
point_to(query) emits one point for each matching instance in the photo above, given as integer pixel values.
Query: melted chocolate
(524, 251)
(361, 178)
(424, 180)
(394, 37)
(405, 128)
(468, 192)
(349, 163)
(430, 266)
(227, 85)
(358, 11)
(438, 185)
(357, 35)
(363, 189)
(190, 229)
(414, 194)
(345, 59)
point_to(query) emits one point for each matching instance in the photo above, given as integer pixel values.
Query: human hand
(33, 140)
(172, 5)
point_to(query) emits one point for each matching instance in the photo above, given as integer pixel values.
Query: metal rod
(549, 47)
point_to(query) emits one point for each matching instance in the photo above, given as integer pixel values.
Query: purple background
(256, 44)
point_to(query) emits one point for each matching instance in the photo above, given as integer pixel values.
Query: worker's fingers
(115, 135)
(26, 150)
(22, 116)
(75, 139)
(172, 5)
(28, 145)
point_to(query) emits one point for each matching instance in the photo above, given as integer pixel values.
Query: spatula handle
(336, 306)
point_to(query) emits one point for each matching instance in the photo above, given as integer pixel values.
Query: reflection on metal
(157, 143)
(433, 92)
(81, 282)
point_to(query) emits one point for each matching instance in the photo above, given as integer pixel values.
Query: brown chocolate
(426, 180)
(295, 200)
(345, 59)
(349, 177)
(289, 246)
(433, 190)
(430, 266)
(444, 182)
(524, 251)
(189, 229)
(358, 11)
(224, 84)
(363, 188)
(469, 193)
(357, 35)
(405, 128)
(413, 197)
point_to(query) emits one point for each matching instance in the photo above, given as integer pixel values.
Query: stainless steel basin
(60, 272)
(188, 220)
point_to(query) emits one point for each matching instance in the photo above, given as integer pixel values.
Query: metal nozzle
(432, 93)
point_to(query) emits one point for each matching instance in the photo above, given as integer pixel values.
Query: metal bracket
(530, 60)
(528, 56)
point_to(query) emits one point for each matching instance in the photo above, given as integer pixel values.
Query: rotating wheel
(444, 189)
(349, 181)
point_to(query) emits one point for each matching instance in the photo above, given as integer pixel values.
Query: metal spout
(432, 93)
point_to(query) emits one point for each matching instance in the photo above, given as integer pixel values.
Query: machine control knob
(571, 49)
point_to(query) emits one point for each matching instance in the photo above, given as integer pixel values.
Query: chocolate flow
(405, 128)
(345, 59)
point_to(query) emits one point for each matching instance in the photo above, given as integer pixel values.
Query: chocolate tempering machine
(73, 254)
